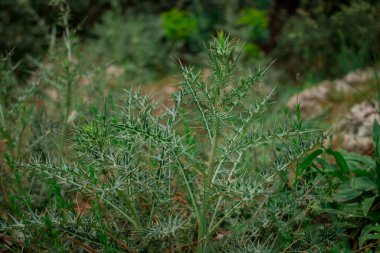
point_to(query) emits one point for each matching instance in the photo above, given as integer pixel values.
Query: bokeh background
(316, 39)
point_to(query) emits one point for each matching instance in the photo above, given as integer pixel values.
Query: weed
(183, 180)
(350, 192)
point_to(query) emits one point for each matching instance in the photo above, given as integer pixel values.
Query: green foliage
(178, 24)
(183, 179)
(376, 143)
(132, 41)
(26, 26)
(255, 25)
(15, 110)
(20, 26)
(328, 39)
(256, 18)
(30, 108)
(351, 192)
(252, 50)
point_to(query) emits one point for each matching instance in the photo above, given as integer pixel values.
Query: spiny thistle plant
(189, 179)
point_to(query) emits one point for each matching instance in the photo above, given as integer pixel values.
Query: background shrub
(329, 39)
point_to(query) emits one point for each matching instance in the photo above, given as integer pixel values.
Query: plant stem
(132, 208)
(202, 230)
(68, 98)
(20, 137)
(65, 8)
(220, 198)
(211, 160)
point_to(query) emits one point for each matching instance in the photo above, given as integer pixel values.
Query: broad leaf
(359, 164)
(348, 211)
(362, 184)
(346, 194)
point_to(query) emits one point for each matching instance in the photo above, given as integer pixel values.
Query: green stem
(220, 198)
(69, 76)
(211, 160)
(65, 9)
(211, 230)
(132, 208)
(210, 171)
(202, 230)
(68, 99)
(82, 187)
(20, 137)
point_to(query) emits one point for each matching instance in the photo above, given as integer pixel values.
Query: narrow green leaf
(340, 161)
(308, 160)
(367, 203)
(2, 118)
(376, 144)
(376, 139)
(370, 232)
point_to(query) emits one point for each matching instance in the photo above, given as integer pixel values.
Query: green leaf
(361, 172)
(350, 210)
(346, 194)
(376, 139)
(370, 232)
(359, 164)
(362, 184)
(340, 161)
(376, 144)
(2, 118)
(367, 203)
(308, 160)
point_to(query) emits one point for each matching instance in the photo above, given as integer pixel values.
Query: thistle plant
(184, 180)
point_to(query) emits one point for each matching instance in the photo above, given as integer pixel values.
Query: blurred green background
(314, 40)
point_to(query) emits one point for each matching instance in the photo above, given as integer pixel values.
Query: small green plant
(178, 24)
(351, 191)
(191, 179)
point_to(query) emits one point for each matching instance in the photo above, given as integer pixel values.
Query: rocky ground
(349, 105)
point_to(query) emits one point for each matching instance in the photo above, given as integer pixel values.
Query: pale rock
(358, 76)
(342, 87)
(85, 81)
(315, 99)
(169, 89)
(312, 99)
(115, 71)
(52, 93)
(354, 132)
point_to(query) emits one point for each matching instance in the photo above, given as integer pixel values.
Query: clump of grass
(188, 179)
